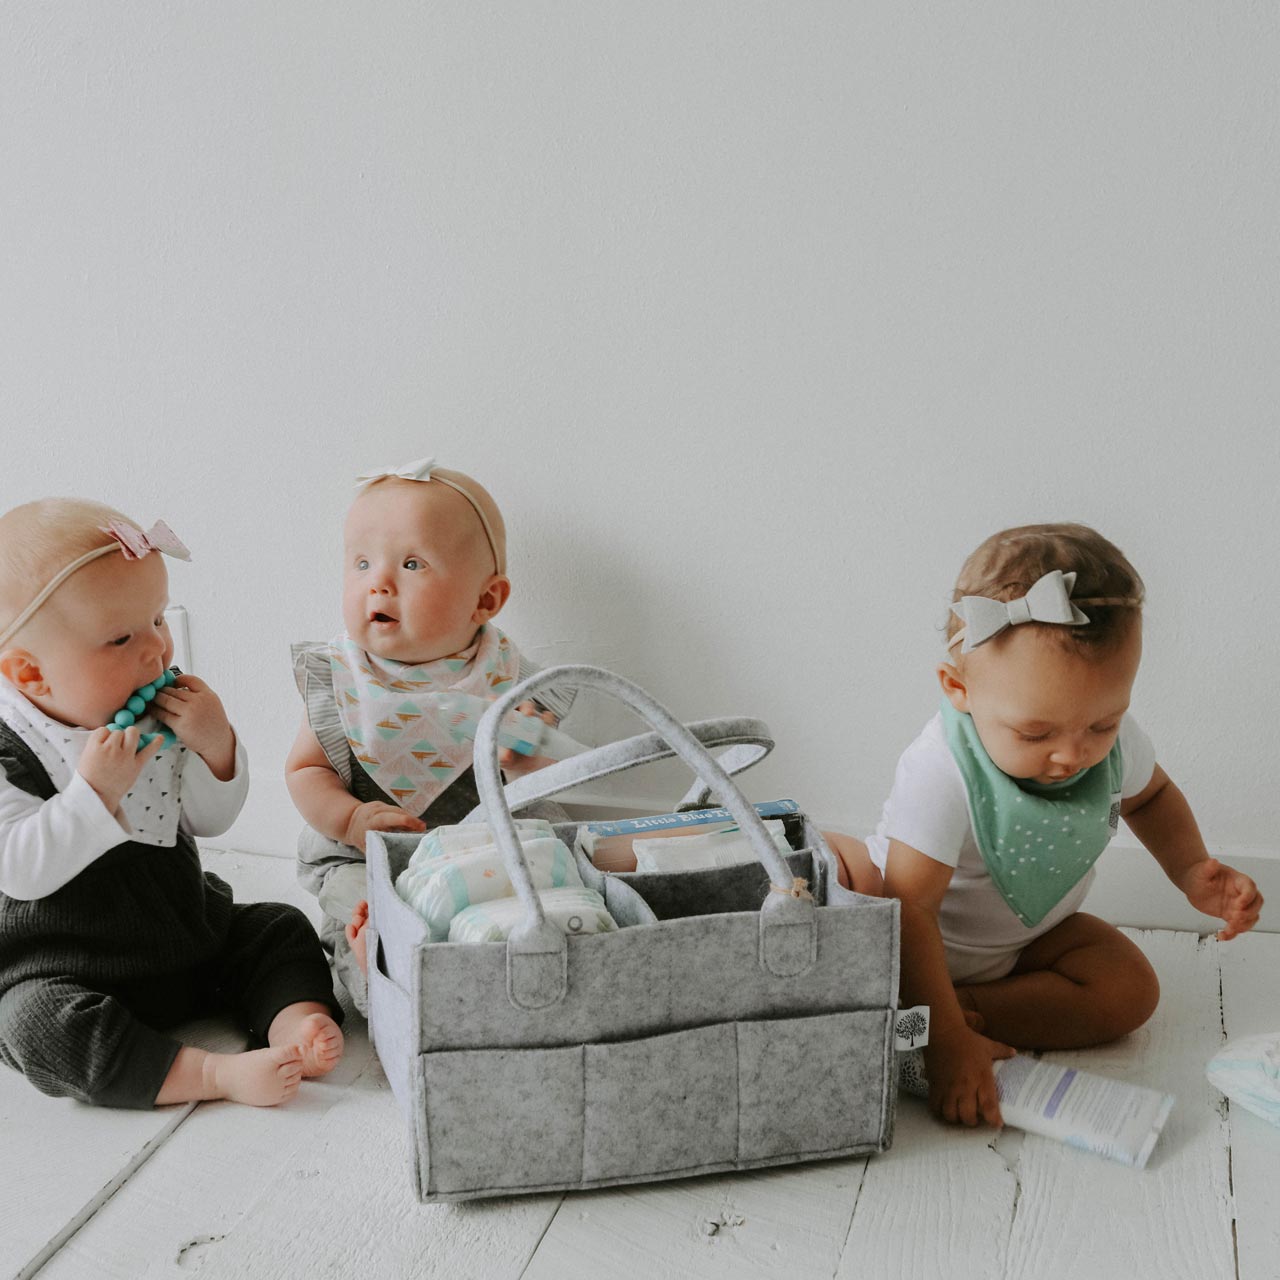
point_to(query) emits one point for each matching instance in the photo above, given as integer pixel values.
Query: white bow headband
(424, 470)
(130, 541)
(1048, 600)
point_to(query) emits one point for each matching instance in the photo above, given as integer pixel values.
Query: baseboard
(1131, 889)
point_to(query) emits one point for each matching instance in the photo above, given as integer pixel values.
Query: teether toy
(525, 735)
(137, 706)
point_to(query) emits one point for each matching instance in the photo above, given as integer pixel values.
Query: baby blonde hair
(39, 539)
(490, 529)
(1010, 562)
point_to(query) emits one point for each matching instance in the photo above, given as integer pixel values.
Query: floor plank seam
(1224, 1110)
(853, 1213)
(110, 1190)
(1013, 1168)
(537, 1244)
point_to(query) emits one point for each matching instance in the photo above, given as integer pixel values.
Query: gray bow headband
(1048, 600)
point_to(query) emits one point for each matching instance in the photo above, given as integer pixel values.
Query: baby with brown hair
(1002, 805)
(110, 931)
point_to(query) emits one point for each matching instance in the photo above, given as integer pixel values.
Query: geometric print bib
(1037, 839)
(391, 713)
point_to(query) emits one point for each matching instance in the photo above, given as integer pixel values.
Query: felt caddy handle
(537, 951)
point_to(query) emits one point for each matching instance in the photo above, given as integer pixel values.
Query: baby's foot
(308, 1027)
(261, 1077)
(320, 1039)
(355, 935)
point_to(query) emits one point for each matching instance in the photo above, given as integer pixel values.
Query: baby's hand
(514, 765)
(195, 713)
(378, 816)
(1219, 890)
(962, 1086)
(111, 762)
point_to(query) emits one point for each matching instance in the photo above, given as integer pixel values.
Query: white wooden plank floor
(321, 1188)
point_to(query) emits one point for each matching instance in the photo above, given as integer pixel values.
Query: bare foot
(261, 1077)
(317, 1037)
(355, 935)
(320, 1040)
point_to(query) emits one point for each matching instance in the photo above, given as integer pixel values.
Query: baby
(424, 572)
(1001, 806)
(109, 930)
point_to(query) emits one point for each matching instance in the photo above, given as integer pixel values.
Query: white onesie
(928, 809)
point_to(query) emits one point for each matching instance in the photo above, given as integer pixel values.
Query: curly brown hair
(1008, 563)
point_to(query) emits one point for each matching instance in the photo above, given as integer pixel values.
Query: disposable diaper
(1248, 1072)
(579, 910)
(449, 841)
(437, 888)
(723, 848)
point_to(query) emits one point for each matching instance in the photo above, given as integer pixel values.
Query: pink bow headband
(129, 540)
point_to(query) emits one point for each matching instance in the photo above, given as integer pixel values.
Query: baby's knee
(1131, 998)
(854, 865)
(73, 1042)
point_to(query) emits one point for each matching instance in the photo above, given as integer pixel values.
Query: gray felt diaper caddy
(722, 1026)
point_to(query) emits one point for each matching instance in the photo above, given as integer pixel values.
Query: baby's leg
(1082, 983)
(343, 899)
(261, 1077)
(72, 1041)
(273, 964)
(854, 864)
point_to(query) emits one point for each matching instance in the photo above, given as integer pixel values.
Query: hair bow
(134, 543)
(420, 470)
(1048, 600)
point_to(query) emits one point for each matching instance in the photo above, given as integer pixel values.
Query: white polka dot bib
(151, 807)
(1037, 839)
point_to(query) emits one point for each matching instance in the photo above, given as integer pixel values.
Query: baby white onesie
(928, 809)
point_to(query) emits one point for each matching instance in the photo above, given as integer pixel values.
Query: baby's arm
(962, 1086)
(324, 801)
(513, 764)
(1161, 818)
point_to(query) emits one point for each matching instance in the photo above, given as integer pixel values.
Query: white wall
(755, 317)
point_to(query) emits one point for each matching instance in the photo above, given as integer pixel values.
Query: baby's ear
(493, 595)
(22, 670)
(953, 686)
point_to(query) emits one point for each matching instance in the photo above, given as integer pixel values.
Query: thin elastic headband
(425, 469)
(1049, 600)
(131, 542)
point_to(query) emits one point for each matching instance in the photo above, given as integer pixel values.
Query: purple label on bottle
(1051, 1108)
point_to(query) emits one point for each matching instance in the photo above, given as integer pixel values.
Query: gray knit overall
(141, 939)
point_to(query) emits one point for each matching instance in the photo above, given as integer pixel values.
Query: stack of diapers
(457, 882)
(724, 845)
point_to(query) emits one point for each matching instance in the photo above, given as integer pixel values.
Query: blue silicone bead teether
(137, 705)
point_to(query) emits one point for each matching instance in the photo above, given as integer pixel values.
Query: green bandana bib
(1037, 839)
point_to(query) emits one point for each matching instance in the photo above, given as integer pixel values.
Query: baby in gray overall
(110, 931)
(424, 572)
